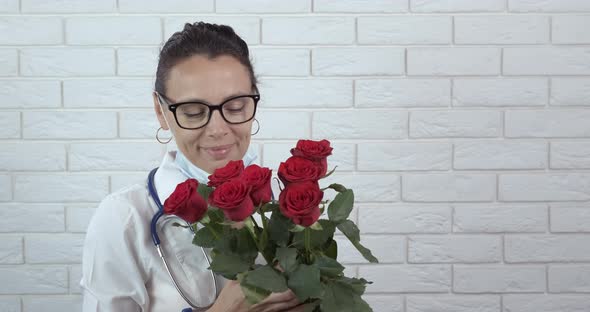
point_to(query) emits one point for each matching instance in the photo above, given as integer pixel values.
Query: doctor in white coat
(205, 97)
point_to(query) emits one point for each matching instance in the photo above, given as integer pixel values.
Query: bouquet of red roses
(298, 246)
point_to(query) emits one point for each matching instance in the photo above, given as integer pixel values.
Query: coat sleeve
(113, 275)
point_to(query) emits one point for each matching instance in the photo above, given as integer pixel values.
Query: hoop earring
(160, 140)
(257, 128)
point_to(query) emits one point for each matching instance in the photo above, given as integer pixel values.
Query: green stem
(307, 237)
(212, 231)
(255, 238)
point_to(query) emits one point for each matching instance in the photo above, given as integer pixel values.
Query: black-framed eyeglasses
(194, 114)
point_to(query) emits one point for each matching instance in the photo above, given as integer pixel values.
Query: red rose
(300, 202)
(233, 197)
(299, 169)
(185, 202)
(258, 179)
(233, 169)
(314, 150)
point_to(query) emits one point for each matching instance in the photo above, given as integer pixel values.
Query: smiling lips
(219, 152)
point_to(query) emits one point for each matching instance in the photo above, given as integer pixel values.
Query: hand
(232, 299)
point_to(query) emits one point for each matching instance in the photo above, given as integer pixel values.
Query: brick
(545, 303)
(454, 249)
(19, 280)
(448, 187)
(114, 156)
(360, 6)
(357, 61)
(402, 92)
(498, 279)
(405, 30)
(546, 248)
(570, 218)
(8, 62)
(11, 249)
(388, 249)
(120, 181)
(11, 125)
(68, 61)
(343, 155)
(457, 6)
(158, 7)
(570, 91)
(566, 29)
(60, 188)
(46, 218)
(57, 248)
(68, 6)
(308, 30)
(453, 61)
(500, 155)
(501, 29)
(70, 125)
(385, 302)
(262, 6)
(452, 303)
(544, 187)
(53, 303)
(500, 218)
(548, 6)
(137, 61)
(547, 123)
(547, 61)
(407, 278)
(138, 124)
(29, 30)
(367, 187)
(128, 30)
(107, 93)
(572, 155)
(314, 93)
(247, 27)
(406, 218)
(10, 304)
(569, 278)
(359, 124)
(500, 92)
(279, 124)
(33, 156)
(5, 187)
(78, 218)
(9, 6)
(30, 94)
(444, 123)
(404, 156)
(75, 278)
(281, 62)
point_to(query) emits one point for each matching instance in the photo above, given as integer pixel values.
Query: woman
(206, 96)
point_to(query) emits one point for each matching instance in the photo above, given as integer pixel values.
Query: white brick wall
(462, 125)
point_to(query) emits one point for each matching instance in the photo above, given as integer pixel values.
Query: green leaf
(305, 282)
(337, 187)
(278, 228)
(266, 278)
(287, 258)
(215, 215)
(340, 208)
(316, 226)
(358, 285)
(253, 294)
(228, 265)
(349, 229)
(297, 228)
(329, 267)
(204, 191)
(204, 237)
(245, 246)
(319, 238)
(332, 249)
(340, 297)
(268, 207)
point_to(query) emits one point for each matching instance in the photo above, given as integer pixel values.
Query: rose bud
(258, 179)
(317, 151)
(233, 198)
(233, 169)
(185, 202)
(299, 169)
(300, 202)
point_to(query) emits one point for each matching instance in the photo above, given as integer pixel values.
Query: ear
(159, 111)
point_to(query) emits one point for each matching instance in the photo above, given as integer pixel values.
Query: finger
(280, 306)
(280, 297)
(299, 308)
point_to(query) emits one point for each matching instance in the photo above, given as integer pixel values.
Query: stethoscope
(156, 240)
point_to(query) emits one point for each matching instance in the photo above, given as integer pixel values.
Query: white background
(463, 126)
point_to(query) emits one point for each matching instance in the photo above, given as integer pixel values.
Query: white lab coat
(121, 269)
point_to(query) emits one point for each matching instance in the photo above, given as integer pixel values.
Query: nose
(217, 126)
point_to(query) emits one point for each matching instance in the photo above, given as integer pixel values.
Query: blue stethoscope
(156, 240)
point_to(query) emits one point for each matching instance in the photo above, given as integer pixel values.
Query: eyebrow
(209, 103)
